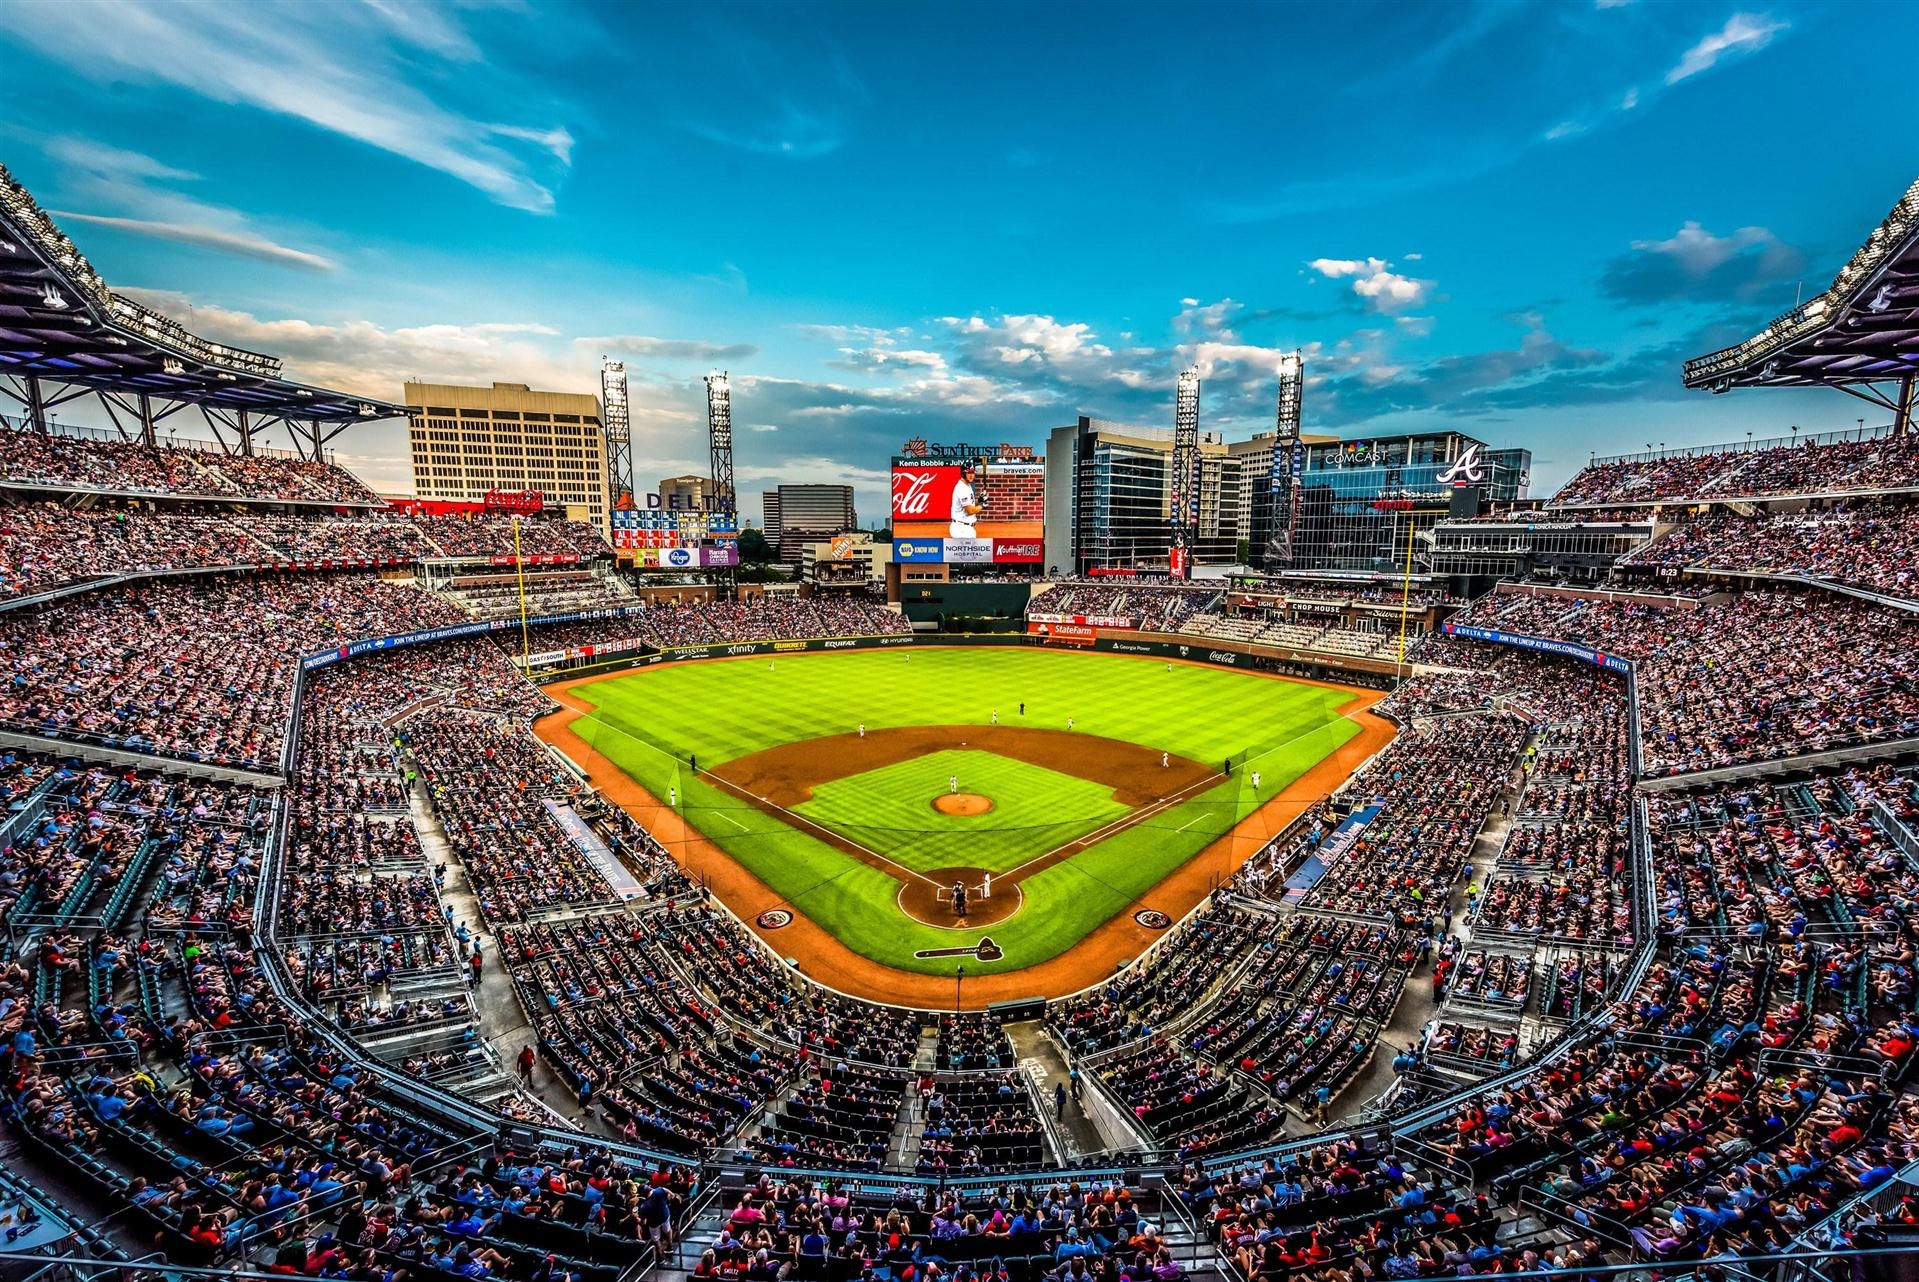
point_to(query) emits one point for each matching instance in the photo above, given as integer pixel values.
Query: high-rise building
(685, 493)
(1109, 500)
(465, 441)
(1363, 500)
(798, 514)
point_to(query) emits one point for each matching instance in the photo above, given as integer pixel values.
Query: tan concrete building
(684, 493)
(465, 441)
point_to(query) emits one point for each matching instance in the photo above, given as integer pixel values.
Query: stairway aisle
(1090, 1124)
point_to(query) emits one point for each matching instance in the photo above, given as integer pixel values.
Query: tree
(754, 549)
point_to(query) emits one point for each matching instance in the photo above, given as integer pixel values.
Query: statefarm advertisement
(969, 505)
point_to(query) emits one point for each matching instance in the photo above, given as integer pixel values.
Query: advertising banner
(1018, 550)
(1610, 662)
(919, 550)
(924, 491)
(1084, 620)
(354, 649)
(548, 558)
(968, 551)
(1068, 632)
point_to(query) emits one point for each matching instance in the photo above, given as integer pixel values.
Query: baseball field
(1057, 789)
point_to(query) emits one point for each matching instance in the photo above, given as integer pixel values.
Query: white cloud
(243, 243)
(647, 347)
(1564, 129)
(1017, 339)
(1697, 251)
(1743, 33)
(1374, 280)
(371, 360)
(353, 70)
(136, 193)
(1630, 99)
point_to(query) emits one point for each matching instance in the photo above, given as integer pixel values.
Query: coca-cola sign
(924, 492)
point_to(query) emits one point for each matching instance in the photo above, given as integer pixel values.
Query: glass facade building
(1363, 499)
(1109, 501)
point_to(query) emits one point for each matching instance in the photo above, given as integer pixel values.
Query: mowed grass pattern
(889, 811)
(650, 722)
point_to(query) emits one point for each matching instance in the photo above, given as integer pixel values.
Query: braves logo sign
(1466, 470)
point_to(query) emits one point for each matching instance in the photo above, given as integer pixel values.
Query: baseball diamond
(857, 789)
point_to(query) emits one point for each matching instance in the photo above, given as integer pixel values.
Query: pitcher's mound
(962, 803)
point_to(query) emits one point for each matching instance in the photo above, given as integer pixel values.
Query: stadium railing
(1836, 437)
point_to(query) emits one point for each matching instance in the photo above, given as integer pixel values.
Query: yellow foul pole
(1405, 595)
(519, 568)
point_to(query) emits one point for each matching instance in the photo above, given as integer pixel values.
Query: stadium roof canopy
(1862, 330)
(65, 335)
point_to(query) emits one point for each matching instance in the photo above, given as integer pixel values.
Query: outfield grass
(889, 811)
(649, 723)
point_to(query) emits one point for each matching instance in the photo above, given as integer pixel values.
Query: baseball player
(1165, 759)
(963, 520)
(672, 797)
(996, 716)
(952, 784)
(1255, 781)
(986, 886)
(862, 729)
(1069, 723)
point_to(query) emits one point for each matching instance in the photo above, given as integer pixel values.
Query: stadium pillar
(146, 420)
(1902, 416)
(36, 405)
(246, 435)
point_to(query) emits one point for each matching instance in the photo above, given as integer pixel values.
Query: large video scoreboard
(997, 516)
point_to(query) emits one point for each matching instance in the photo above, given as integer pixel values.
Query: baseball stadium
(1271, 844)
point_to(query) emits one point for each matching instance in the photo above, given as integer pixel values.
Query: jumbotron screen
(969, 511)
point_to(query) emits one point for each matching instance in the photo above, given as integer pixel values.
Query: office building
(465, 441)
(845, 561)
(1108, 499)
(798, 514)
(1363, 499)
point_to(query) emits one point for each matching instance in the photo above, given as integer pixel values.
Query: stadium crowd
(43, 460)
(1766, 674)
(198, 668)
(48, 544)
(1877, 463)
(1150, 607)
(1865, 543)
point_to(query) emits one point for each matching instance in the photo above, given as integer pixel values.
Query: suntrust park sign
(919, 450)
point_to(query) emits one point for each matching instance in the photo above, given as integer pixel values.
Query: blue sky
(978, 221)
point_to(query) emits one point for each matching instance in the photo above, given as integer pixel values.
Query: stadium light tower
(618, 430)
(719, 442)
(1288, 466)
(1184, 507)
